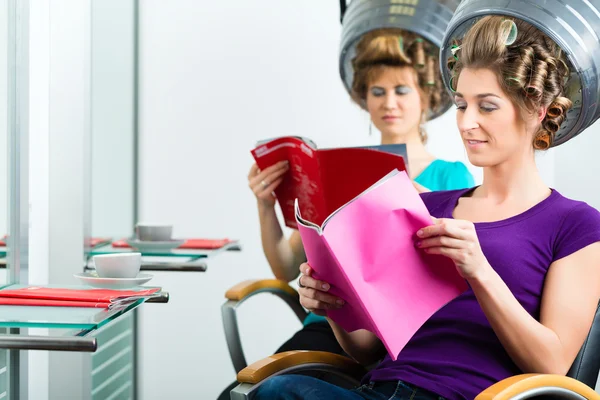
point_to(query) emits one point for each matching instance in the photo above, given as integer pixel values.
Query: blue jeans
(299, 387)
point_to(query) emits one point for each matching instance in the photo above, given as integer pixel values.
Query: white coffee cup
(122, 265)
(153, 232)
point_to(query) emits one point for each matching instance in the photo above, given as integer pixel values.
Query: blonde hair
(532, 71)
(392, 47)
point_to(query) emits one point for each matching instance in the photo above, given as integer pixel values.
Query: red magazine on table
(190, 244)
(324, 180)
(95, 241)
(14, 301)
(43, 296)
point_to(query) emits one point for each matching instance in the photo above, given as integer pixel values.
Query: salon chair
(575, 27)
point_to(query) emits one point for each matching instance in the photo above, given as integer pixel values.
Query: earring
(422, 132)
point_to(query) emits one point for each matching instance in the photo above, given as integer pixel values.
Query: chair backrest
(587, 363)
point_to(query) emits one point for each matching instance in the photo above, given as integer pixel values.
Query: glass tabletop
(59, 317)
(109, 249)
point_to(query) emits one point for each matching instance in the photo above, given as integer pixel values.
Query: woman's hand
(263, 183)
(313, 293)
(456, 239)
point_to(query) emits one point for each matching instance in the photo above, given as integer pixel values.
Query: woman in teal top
(397, 80)
(399, 86)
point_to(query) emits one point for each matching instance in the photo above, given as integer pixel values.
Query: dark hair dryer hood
(427, 18)
(574, 25)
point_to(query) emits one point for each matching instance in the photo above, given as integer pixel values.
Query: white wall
(215, 78)
(577, 167)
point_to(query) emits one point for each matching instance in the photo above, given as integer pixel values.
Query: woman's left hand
(456, 239)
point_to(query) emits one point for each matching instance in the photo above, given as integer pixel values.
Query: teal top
(445, 175)
(439, 175)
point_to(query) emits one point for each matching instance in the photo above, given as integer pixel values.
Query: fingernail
(285, 162)
(325, 286)
(420, 233)
(340, 302)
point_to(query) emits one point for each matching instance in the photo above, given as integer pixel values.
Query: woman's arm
(284, 255)
(569, 302)
(361, 345)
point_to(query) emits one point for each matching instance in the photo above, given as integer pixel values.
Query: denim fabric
(298, 387)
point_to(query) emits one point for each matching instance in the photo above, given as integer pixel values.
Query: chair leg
(232, 335)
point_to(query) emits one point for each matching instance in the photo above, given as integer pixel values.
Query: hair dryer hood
(574, 25)
(427, 18)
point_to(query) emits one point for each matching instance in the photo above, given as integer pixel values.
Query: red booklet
(13, 301)
(324, 180)
(190, 244)
(95, 241)
(44, 296)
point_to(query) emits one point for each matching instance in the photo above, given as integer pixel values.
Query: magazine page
(399, 149)
(347, 172)
(308, 141)
(352, 315)
(302, 181)
(376, 184)
(372, 238)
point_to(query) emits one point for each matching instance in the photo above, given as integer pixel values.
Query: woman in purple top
(531, 257)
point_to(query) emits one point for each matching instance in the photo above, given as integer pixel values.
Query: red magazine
(324, 180)
(95, 241)
(190, 244)
(44, 296)
(13, 301)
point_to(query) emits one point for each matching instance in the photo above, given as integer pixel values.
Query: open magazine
(366, 250)
(324, 179)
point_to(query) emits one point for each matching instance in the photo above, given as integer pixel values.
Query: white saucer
(154, 246)
(92, 279)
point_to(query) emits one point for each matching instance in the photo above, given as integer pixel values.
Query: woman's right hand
(313, 293)
(263, 183)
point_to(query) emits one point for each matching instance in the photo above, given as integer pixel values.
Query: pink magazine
(366, 251)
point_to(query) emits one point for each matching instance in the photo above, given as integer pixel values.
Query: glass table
(95, 347)
(177, 260)
(2, 256)
(77, 322)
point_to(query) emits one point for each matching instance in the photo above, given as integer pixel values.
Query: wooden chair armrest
(266, 367)
(515, 385)
(249, 287)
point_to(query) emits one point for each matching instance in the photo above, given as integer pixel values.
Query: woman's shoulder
(570, 208)
(577, 224)
(438, 202)
(452, 175)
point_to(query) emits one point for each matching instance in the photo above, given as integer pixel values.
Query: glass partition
(4, 129)
(113, 109)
